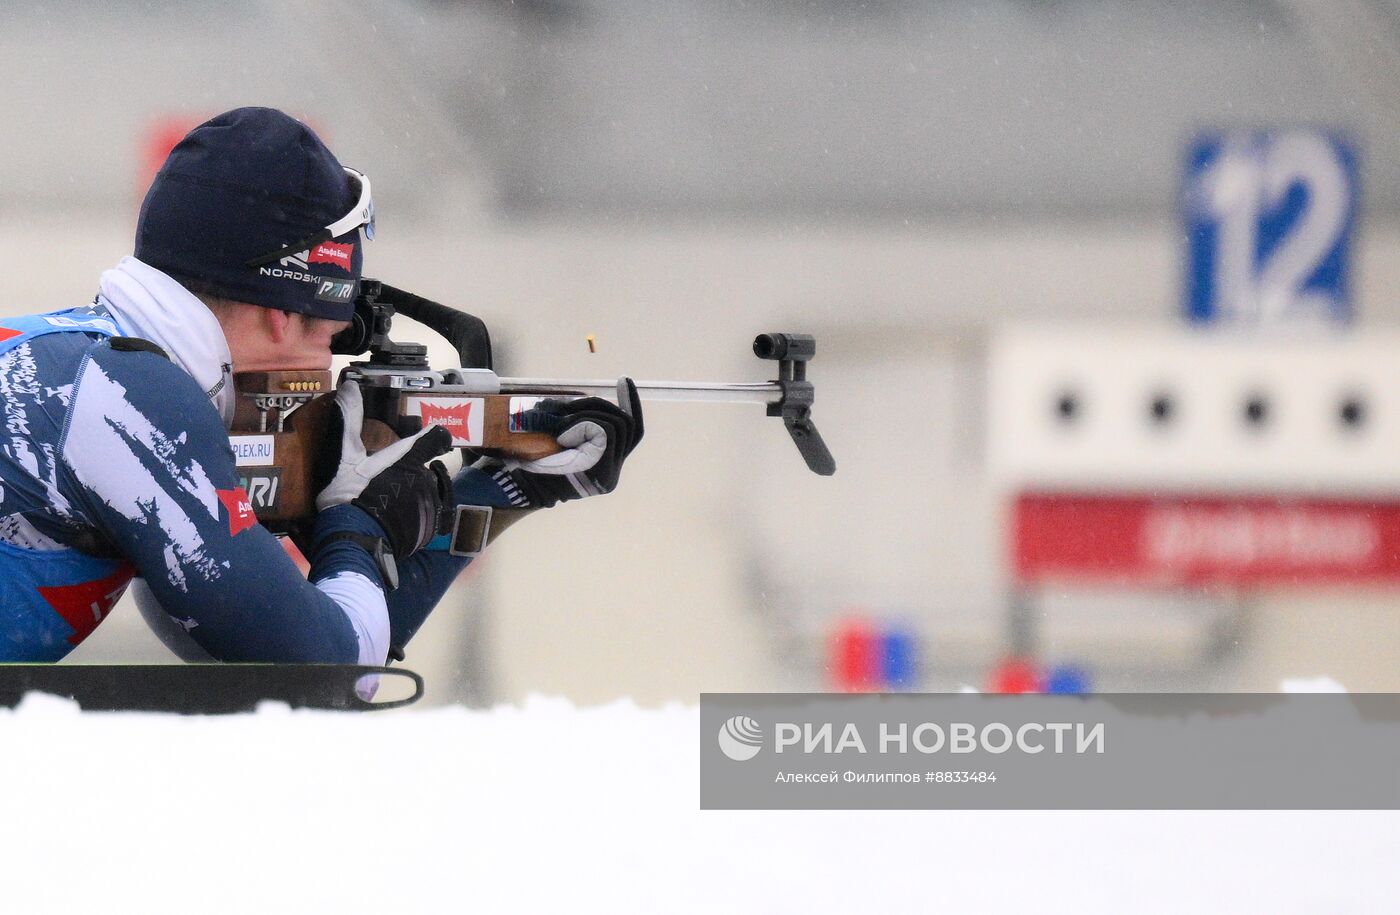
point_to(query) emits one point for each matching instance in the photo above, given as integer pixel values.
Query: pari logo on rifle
(463, 417)
(262, 486)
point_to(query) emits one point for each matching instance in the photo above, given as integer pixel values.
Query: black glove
(391, 486)
(597, 436)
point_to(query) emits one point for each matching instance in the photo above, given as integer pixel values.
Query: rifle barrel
(763, 392)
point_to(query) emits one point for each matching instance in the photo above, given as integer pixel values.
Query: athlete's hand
(596, 436)
(392, 486)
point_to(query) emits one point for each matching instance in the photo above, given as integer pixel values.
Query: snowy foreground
(549, 808)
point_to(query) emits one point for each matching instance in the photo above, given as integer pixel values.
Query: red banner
(1194, 540)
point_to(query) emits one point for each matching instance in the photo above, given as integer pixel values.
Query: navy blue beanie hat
(243, 208)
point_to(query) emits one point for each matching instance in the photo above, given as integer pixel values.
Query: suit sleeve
(148, 462)
(427, 574)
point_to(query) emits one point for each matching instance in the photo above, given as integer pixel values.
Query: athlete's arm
(596, 436)
(147, 461)
(426, 576)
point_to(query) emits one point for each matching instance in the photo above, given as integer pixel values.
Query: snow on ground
(549, 808)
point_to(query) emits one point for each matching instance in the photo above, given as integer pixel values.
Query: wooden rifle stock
(282, 422)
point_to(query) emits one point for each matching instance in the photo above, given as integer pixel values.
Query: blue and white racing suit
(115, 463)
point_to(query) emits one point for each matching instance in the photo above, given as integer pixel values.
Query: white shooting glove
(596, 437)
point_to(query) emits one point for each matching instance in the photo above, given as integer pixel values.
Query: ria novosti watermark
(741, 737)
(1177, 751)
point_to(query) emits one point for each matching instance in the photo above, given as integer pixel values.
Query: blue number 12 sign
(1270, 216)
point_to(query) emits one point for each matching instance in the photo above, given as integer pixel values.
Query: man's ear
(276, 322)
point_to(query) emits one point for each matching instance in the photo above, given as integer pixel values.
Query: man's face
(308, 342)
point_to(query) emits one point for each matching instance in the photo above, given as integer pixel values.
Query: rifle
(281, 418)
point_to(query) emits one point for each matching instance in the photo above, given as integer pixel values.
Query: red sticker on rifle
(462, 416)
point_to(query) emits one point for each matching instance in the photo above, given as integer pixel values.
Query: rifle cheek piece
(792, 351)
